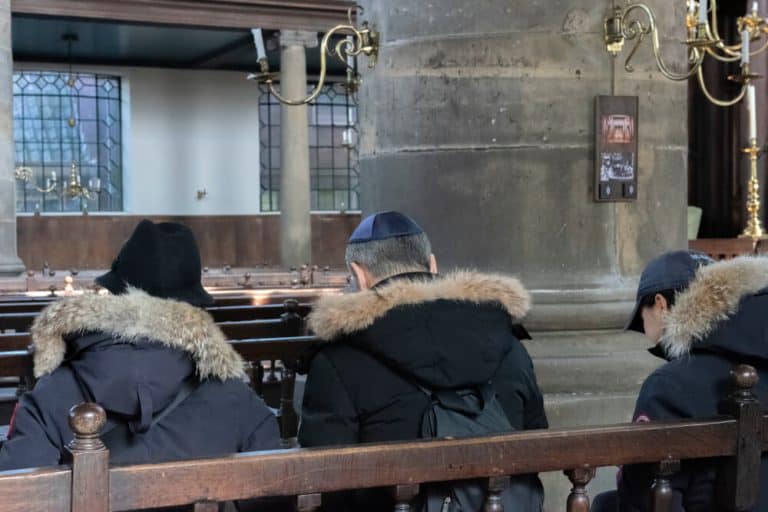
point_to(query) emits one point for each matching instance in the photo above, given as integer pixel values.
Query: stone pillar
(295, 230)
(479, 122)
(10, 264)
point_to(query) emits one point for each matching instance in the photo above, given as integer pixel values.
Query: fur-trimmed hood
(449, 331)
(340, 315)
(135, 317)
(722, 307)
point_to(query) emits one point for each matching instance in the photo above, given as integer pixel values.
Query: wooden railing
(89, 485)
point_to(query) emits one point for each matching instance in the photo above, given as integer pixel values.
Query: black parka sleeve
(517, 390)
(693, 485)
(328, 416)
(32, 440)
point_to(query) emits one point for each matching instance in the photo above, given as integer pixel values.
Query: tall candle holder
(754, 229)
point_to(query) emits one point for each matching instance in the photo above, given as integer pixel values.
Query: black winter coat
(450, 332)
(132, 354)
(719, 322)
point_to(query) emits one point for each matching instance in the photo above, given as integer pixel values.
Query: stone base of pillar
(11, 266)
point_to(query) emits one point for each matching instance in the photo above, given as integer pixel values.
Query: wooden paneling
(315, 15)
(91, 242)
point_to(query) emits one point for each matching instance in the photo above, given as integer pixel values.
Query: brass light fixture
(703, 41)
(363, 40)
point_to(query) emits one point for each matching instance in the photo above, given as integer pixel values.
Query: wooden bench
(22, 303)
(21, 320)
(90, 485)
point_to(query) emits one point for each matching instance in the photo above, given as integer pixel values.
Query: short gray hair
(391, 256)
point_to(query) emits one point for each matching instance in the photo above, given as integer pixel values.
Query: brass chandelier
(703, 40)
(363, 40)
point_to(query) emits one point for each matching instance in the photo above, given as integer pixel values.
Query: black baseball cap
(670, 271)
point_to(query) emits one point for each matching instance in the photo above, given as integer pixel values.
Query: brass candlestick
(754, 229)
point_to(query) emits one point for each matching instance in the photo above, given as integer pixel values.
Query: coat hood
(451, 331)
(135, 318)
(340, 315)
(722, 309)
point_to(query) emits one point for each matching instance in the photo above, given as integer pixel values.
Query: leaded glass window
(59, 122)
(333, 150)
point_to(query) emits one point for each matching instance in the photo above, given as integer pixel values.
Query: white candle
(692, 7)
(752, 112)
(258, 40)
(744, 47)
(703, 7)
(755, 8)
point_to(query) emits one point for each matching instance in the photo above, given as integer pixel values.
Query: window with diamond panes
(333, 151)
(59, 122)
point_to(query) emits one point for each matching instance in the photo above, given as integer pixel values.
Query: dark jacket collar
(133, 318)
(411, 276)
(340, 315)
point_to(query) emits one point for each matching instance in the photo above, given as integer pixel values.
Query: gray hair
(392, 256)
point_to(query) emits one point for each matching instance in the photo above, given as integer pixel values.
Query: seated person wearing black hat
(172, 387)
(408, 336)
(703, 318)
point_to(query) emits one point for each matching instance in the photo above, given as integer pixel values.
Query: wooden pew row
(21, 321)
(90, 485)
(16, 304)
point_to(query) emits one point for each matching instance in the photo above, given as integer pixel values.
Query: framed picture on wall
(616, 146)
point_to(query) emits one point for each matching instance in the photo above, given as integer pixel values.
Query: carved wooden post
(289, 421)
(663, 494)
(578, 500)
(27, 379)
(308, 502)
(404, 494)
(496, 486)
(293, 320)
(90, 459)
(739, 479)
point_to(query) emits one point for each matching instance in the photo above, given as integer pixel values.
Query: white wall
(190, 130)
(186, 130)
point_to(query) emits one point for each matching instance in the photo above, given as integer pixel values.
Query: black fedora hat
(161, 259)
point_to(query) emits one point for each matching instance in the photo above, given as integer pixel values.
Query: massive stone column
(479, 122)
(10, 264)
(295, 230)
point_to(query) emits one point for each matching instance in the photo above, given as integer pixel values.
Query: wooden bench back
(21, 320)
(89, 485)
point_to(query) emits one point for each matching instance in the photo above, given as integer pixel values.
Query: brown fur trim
(712, 297)
(334, 316)
(132, 317)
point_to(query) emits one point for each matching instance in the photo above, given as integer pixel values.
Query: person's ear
(660, 303)
(432, 264)
(362, 276)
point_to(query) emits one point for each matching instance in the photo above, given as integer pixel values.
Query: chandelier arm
(353, 48)
(635, 29)
(716, 101)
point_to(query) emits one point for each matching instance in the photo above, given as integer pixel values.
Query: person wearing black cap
(172, 387)
(703, 318)
(408, 334)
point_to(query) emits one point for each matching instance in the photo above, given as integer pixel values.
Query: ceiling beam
(317, 15)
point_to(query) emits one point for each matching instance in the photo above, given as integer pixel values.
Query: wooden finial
(744, 378)
(86, 421)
